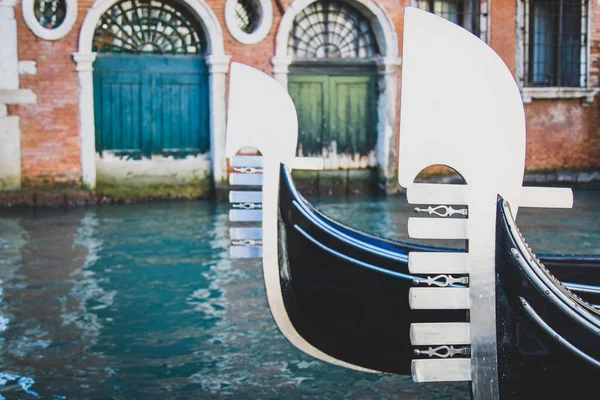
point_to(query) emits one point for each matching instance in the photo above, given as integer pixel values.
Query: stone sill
(587, 94)
(18, 96)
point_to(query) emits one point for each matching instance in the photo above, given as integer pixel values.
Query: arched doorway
(339, 61)
(199, 13)
(150, 81)
(333, 84)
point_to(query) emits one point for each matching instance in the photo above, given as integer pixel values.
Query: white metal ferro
(272, 130)
(461, 107)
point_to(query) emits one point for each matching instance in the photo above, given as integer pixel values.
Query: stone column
(10, 134)
(87, 141)
(281, 69)
(218, 66)
(387, 117)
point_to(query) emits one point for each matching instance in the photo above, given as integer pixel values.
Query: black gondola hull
(534, 362)
(346, 292)
(348, 299)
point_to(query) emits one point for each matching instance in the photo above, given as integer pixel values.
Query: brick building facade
(49, 92)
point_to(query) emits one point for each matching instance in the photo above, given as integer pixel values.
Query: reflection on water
(567, 231)
(141, 301)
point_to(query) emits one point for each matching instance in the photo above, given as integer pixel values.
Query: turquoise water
(141, 301)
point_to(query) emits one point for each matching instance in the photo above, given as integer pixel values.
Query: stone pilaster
(218, 67)
(281, 69)
(387, 116)
(85, 80)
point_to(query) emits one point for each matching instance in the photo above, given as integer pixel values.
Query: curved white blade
(261, 115)
(460, 107)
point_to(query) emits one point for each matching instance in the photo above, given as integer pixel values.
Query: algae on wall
(158, 177)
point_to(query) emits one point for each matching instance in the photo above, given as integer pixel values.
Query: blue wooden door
(151, 105)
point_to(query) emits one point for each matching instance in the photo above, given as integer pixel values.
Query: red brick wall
(501, 28)
(561, 134)
(49, 129)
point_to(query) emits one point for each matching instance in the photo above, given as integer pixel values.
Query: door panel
(119, 113)
(351, 115)
(335, 112)
(181, 135)
(147, 105)
(311, 98)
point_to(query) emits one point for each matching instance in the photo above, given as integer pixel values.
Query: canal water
(141, 301)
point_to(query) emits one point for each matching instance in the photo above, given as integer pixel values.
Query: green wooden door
(147, 105)
(335, 109)
(311, 98)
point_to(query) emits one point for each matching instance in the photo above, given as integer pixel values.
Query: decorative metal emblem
(247, 206)
(334, 29)
(446, 211)
(248, 170)
(443, 351)
(138, 26)
(247, 242)
(50, 13)
(442, 280)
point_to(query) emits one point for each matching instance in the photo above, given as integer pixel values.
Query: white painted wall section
(10, 93)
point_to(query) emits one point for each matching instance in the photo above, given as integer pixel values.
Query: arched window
(332, 30)
(147, 26)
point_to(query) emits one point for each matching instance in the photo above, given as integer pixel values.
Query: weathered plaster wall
(10, 153)
(114, 170)
(11, 93)
(159, 177)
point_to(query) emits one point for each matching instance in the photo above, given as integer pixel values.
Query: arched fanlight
(332, 29)
(152, 27)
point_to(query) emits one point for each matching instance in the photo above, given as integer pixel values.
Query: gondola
(492, 314)
(346, 291)
(548, 338)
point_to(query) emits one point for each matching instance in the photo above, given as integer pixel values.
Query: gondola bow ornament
(461, 108)
(273, 132)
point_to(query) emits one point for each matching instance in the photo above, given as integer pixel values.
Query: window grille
(248, 15)
(332, 30)
(556, 43)
(465, 13)
(139, 26)
(50, 13)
